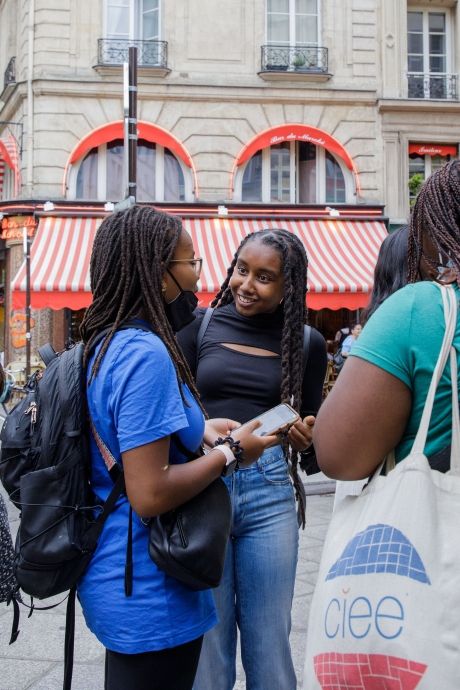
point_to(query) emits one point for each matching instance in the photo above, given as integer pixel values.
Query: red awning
(341, 253)
(433, 149)
(9, 155)
(60, 257)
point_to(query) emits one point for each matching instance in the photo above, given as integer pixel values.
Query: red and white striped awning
(9, 156)
(341, 254)
(59, 260)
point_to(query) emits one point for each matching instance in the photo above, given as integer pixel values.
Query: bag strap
(306, 345)
(201, 332)
(449, 300)
(455, 442)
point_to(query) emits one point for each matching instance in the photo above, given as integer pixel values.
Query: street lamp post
(26, 244)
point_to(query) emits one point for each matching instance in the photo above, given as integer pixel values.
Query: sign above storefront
(13, 227)
(433, 149)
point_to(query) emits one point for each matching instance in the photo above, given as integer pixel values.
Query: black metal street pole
(26, 248)
(132, 123)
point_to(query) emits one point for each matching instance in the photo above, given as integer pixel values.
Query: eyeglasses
(196, 264)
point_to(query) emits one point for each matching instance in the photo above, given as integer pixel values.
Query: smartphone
(280, 417)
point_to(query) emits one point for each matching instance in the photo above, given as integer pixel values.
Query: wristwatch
(231, 462)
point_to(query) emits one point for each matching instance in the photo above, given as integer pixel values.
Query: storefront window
(425, 159)
(295, 172)
(160, 176)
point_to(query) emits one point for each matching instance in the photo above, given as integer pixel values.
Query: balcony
(10, 73)
(151, 55)
(307, 63)
(433, 86)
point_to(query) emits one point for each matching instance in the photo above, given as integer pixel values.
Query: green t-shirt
(404, 338)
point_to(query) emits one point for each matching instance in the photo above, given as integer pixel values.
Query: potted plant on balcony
(298, 62)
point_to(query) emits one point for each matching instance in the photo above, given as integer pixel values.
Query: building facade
(308, 103)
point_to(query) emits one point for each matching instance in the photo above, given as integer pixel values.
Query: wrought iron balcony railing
(10, 73)
(111, 51)
(434, 86)
(277, 58)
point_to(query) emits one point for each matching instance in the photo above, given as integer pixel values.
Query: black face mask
(179, 312)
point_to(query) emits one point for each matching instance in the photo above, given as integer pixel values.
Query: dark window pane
(252, 179)
(146, 156)
(415, 63)
(335, 181)
(414, 21)
(437, 21)
(437, 64)
(307, 173)
(87, 177)
(115, 190)
(174, 178)
(280, 165)
(415, 43)
(437, 44)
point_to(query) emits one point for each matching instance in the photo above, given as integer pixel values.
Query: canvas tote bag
(385, 614)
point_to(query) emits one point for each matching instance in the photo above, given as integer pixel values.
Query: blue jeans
(257, 587)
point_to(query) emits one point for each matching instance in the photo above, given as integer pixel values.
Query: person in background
(340, 336)
(381, 392)
(144, 406)
(350, 339)
(251, 359)
(390, 272)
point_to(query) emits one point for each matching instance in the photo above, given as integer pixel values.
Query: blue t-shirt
(134, 400)
(404, 338)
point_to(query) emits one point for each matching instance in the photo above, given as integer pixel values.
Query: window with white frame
(294, 172)
(429, 54)
(421, 166)
(132, 19)
(160, 175)
(293, 22)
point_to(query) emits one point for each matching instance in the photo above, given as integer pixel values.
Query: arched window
(161, 176)
(294, 172)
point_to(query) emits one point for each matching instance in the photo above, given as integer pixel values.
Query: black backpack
(45, 468)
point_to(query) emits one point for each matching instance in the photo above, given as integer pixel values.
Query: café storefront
(342, 245)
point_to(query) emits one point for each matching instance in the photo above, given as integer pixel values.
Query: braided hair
(131, 251)
(294, 264)
(436, 215)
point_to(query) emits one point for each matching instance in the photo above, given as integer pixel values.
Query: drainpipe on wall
(30, 100)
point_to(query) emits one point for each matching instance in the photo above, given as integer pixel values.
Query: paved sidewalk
(34, 661)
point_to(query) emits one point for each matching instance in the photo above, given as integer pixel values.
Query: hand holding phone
(279, 418)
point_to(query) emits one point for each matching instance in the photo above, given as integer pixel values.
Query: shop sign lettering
(13, 226)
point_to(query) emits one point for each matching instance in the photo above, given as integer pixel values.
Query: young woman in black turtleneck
(250, 360)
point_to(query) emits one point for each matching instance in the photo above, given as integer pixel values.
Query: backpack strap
(47, 353)
(202, 330)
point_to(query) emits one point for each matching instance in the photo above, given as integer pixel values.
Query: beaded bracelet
(235, 447)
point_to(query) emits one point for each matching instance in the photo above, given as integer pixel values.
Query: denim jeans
(257, 587)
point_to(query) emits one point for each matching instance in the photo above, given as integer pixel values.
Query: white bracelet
(227, 451)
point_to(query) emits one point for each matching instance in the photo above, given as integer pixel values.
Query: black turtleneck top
(239, 385)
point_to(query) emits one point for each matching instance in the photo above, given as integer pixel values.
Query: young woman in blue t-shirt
(141, 393)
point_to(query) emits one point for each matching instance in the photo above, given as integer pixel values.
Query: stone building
(287, 109)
